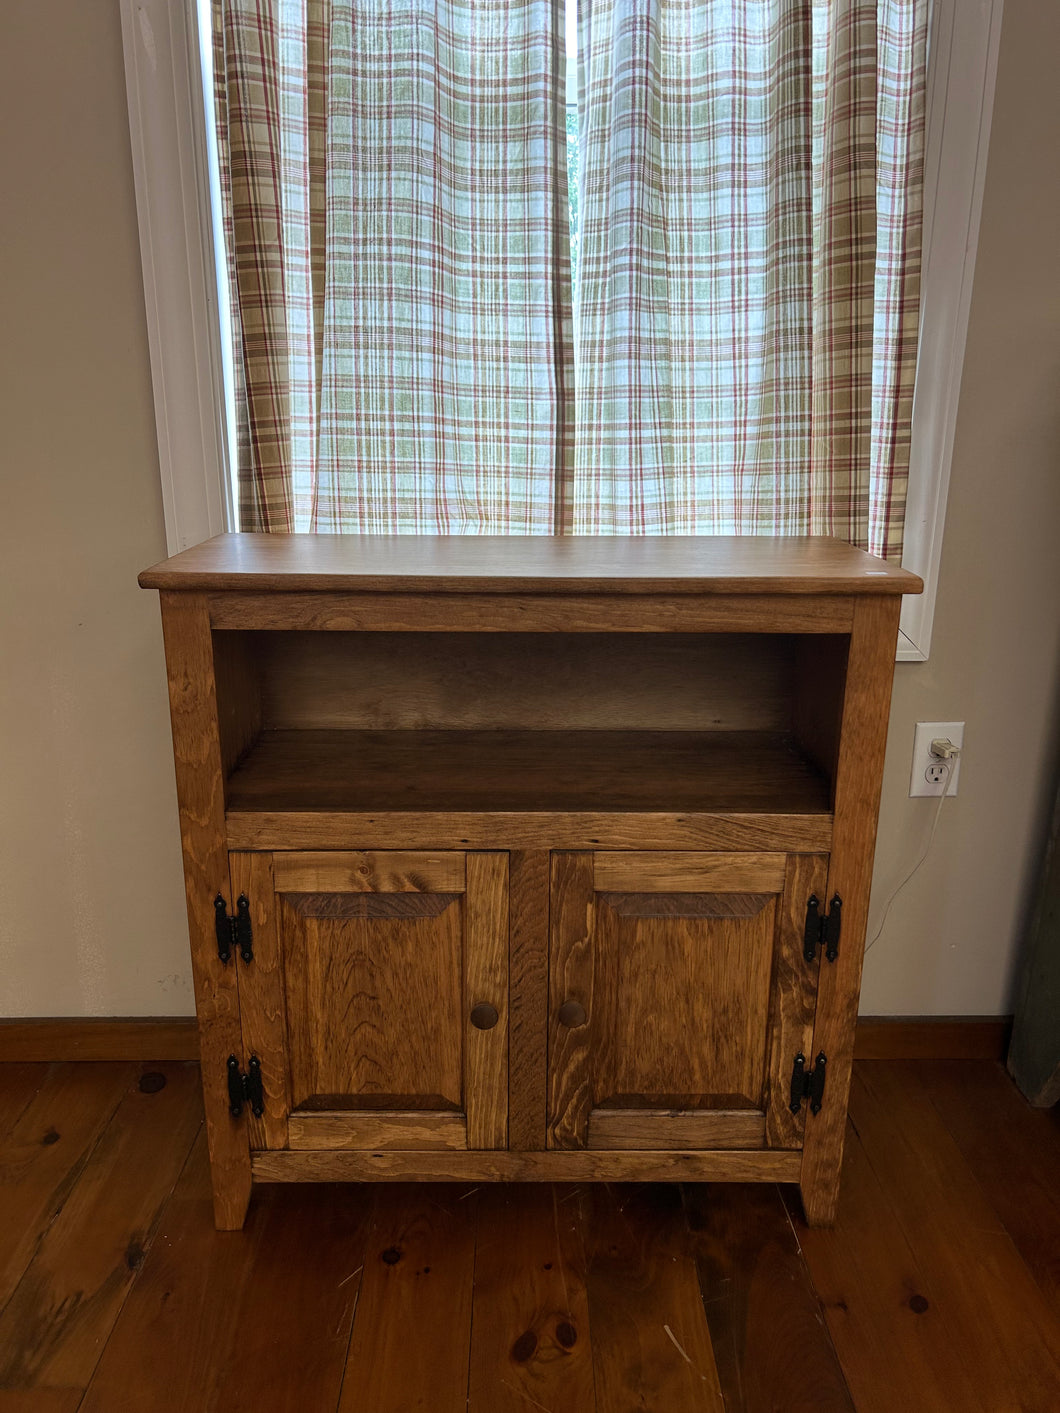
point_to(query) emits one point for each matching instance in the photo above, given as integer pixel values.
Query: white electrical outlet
(929, 773)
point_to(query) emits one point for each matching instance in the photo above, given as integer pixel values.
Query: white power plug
(937, 748)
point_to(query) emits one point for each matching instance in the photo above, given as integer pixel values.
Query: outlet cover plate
(926, 732)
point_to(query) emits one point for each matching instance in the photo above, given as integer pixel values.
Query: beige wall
(951, 940)
(91, 906)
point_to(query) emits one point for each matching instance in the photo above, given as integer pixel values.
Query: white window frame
(185, 294)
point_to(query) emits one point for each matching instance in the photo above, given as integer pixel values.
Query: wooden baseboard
(932, 1037)
(105, 1038)
(175, 1038)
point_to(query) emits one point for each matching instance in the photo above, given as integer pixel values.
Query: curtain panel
(749, 266)
(395, 203)
(739, 353)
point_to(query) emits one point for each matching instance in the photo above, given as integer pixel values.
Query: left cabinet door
(377, 999)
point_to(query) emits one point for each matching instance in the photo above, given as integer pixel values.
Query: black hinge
(233, 931)
(822, 929)
(808, 1084)
(245, 1088)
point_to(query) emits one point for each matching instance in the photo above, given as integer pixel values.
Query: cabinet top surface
(529, 563)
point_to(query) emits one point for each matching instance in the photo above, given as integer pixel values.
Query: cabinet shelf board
(676, 772)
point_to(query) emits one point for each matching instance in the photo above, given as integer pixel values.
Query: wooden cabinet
(526, 858)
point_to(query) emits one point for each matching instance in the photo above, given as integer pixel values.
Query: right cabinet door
(679, 998)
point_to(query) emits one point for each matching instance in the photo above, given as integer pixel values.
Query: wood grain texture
(770, 1340)
(680, 1007)
(178, 1328)
(53, 1327)
(866, 703)
(792, 998)
(19, 1086)
(544, 829)
(200, 793)
(570, 979)
(1009, 1340)
(412, 1332)
(817, 696)
(1014, 1152)
(103, 1038)
(45, 1147)
(512, 771)
(525, 681)
(530, 1334)
(490, 612)
(413, 1129)
(758, 1165)
(294, 1315)
(237, 678)
(374, 1008)
(262, 1006)
(897, 1349)
(727, 564)
(673, 1129)
(651, 1342)
(686, 904)
(486, 981)
(367, 871)
(528, 888)
(663, 872)
(239, 1324)
(40, 1400)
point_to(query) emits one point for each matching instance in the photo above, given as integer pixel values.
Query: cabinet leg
(229, 1149)
(231, 1196)
(820, 1201)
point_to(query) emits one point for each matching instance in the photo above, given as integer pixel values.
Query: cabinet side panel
(863, 741)
(486, 973)
(200, 792)
(570, 980)
(261, 999)
(238, 690)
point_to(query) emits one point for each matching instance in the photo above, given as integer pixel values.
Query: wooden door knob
(572, 1013)
(484, 1016)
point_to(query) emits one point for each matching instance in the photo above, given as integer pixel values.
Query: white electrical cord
(946, 757)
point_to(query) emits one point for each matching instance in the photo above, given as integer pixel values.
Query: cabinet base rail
(329, 1165)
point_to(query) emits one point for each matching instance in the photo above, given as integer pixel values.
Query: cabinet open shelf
(357, 771)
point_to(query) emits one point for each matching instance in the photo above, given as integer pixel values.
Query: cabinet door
(377, 1000)
(679, 998)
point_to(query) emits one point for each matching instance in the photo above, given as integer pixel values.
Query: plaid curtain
(395, 197)
(748, 274)
(394, 186)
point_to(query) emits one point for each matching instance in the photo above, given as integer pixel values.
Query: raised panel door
(679, 998)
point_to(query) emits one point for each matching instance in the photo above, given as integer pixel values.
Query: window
(166, 121)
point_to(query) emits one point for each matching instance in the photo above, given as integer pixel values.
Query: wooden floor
(938, 1290)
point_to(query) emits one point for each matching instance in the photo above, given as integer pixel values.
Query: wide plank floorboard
(936, 1291)
(531, 1338)
(771, 1345)
(412, 1332)
(43, 1153)
(54, 1326)
(651, 1342)
(1014, 1153)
